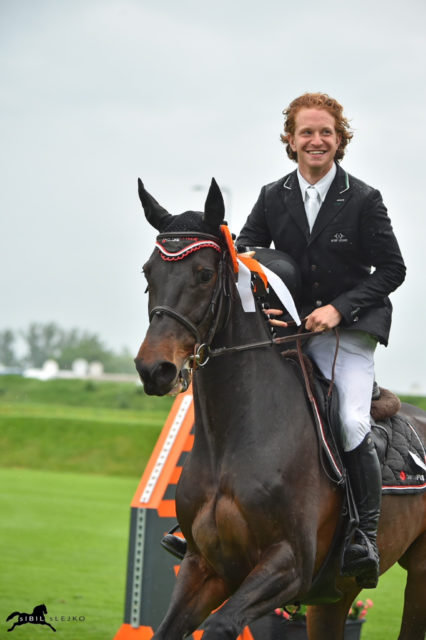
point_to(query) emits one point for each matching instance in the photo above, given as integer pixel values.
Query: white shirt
(322, 186)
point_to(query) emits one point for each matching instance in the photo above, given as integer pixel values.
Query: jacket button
(313, 267)
(316, 285)
(318, 303)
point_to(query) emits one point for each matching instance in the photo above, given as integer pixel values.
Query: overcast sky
(94, 93)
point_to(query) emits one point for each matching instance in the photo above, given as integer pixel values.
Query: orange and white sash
(246, 266)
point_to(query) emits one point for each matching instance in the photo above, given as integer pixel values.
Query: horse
(257, 510)
(36, 617)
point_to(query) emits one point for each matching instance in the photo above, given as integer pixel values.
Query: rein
(203, 353)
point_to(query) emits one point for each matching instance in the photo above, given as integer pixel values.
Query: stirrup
(364, 565)
(369, 579)
(174, 545)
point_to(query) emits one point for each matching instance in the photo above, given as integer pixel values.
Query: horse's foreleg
(197, 592)
(413, 625)
(327, 621)
(274, 581)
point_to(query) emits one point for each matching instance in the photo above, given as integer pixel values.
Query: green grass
(79, 426)
(384, 618)
(79, 393)
(65, 513)
(419, 401)
(74, 439)
(64, 543)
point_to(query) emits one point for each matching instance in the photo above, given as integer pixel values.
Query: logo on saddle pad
(339, 237)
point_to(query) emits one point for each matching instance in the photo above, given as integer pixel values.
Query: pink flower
(368, 603)
(359, 603)
(281, 612)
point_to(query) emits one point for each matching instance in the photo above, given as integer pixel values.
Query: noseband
(214, 311)
(168, 311)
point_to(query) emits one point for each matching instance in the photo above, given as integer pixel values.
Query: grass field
(79, 426)
(71, 454)
(65, 537)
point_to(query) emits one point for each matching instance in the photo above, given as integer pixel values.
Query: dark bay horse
(253, 502)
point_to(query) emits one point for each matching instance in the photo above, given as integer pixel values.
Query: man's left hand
(323, 319)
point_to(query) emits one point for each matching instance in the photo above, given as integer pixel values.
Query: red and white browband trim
(166, 254)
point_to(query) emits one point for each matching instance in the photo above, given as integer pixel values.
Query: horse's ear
(156, 215)
(214, 208)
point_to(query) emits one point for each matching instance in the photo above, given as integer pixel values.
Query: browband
(194, 245)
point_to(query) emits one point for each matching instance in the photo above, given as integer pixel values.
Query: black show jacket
(352, 234)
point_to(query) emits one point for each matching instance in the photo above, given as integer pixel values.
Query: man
(336, 228)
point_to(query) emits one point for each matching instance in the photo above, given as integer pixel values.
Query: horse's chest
(222, 535)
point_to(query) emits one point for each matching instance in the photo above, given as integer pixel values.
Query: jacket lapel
(339, 193)
(293, 202)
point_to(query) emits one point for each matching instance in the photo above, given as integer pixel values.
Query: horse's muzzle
(158, 378)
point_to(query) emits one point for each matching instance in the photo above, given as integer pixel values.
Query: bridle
(218, 310)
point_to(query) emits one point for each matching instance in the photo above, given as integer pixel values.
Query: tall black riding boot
(361, 557)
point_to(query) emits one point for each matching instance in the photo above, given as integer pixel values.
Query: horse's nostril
(157, 379)
(164, 373)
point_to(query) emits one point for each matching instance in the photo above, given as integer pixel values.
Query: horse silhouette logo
(36, 617)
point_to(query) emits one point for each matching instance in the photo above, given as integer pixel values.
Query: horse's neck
(242, 327)
(240, 381)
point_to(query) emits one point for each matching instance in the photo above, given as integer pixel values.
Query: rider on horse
(336, 228)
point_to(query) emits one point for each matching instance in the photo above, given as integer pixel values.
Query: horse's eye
(204, 275)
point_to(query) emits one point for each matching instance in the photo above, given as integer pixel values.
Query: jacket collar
(337, 196)
(291, 182)
(293, 202)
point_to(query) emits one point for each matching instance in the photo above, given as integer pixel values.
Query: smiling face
(315, 141)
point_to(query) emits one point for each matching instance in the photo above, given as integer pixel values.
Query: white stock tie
(312, 205)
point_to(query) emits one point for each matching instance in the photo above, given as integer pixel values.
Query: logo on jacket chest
(339, 237)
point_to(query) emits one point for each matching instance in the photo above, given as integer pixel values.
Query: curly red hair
(316, 101)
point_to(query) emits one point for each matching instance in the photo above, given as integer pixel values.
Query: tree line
(47, 341)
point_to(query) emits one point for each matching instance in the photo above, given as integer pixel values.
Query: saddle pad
(401, 454)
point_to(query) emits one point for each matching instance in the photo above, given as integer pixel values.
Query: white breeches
(354, 378)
